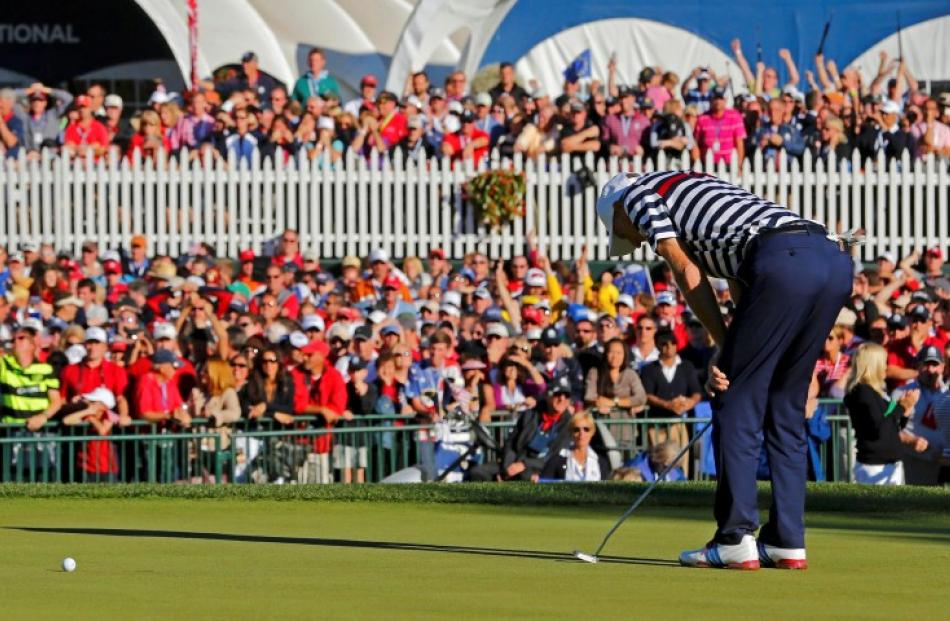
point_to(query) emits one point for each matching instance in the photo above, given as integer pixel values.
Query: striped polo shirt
(713, 218)
(24, 391)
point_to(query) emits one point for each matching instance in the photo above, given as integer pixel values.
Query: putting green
(162, 558)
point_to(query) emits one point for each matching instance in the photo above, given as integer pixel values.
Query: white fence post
(410, 206)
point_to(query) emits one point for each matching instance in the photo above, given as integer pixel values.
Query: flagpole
(193, 42)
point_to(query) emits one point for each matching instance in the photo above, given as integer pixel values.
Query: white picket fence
(408, 208)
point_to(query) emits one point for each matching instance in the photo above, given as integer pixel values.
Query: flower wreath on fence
(498, 195)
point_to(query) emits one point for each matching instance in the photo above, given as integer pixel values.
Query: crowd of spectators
(119, 335)
(698, 114)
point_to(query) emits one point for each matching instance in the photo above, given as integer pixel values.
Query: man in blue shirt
(776, 135)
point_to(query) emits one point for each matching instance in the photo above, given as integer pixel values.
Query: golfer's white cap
(611, 193)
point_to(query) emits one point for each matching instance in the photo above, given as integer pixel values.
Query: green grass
(821, 497)
(431, 552)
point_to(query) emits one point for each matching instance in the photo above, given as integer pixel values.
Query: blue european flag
(634, 279)
(579, 67)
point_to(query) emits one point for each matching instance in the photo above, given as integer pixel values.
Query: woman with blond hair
(877, 420)
(148, 139)
(579, 462)
(216, 398)
(172, 126)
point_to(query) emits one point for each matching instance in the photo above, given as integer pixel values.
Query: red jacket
(328, 390)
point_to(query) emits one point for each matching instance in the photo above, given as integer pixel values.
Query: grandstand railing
(264, 452)
(408, 208)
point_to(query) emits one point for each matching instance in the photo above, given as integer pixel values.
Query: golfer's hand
(717, 381)
(920, 444)
(515, 469)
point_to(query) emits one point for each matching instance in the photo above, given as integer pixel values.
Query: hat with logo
(930, 353)
(535, 278)
(549, 336)
(165, 356)
(561, 386)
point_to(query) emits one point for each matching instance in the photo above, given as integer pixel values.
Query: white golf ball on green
(69, 564)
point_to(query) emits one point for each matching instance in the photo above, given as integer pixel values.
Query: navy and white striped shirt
(713, 218)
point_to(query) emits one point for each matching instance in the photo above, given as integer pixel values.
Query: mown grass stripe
(821, 497)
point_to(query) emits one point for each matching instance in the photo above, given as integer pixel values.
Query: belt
(805, 227)
(795, 228)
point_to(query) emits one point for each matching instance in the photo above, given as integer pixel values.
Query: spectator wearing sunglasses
(539, 434)
(518, 385)
(578, 462)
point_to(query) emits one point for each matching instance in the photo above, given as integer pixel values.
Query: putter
(595, 557)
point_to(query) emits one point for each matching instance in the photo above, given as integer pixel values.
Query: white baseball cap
(625, 299)
(75, 354)
(612, 192)
(164, 331)
(890, 107)
(497, 329)
(378, 255)
(313, 322)
(298, 340)
(454, 298)
(96, 334)
(101, 395)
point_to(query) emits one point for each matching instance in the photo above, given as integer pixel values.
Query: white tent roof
(358, 36)
(926, 48)
(637, 43)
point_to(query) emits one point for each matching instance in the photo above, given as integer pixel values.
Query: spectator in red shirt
(289, 249)
(97, 372)
(157, 399)
(668, 318)
(468, 143)
(165, 337)
(150, 138)
(276, 293)
(320, 391)
(902, 353)
(86, 135)
(384, 130)
(720, 131)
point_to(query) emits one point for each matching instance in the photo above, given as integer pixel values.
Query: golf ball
(69, 564)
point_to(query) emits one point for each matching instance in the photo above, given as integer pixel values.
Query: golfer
(789, 279)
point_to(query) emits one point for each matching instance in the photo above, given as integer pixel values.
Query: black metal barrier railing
(369, 448)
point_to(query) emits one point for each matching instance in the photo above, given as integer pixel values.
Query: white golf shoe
(743, 555)
(781, 558)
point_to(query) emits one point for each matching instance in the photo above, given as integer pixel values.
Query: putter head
(587, 558)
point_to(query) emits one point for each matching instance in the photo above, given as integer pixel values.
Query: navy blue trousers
(795, 282)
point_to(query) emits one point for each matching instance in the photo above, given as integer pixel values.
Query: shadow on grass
(342, 543)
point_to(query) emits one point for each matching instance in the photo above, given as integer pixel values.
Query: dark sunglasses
(580, 429)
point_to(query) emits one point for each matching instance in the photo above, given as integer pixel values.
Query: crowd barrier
(409, 207)
(260, 452)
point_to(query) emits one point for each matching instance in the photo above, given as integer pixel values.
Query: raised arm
(833, 72)
(826, 83)
(743, 63)
(507, 302)
(793, 77)
(612, 89)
